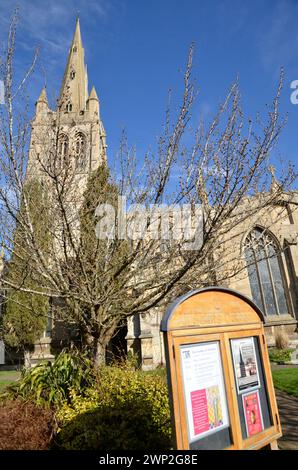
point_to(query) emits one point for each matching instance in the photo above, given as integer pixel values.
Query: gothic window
(80, 150)
(265, 272)
(49, 327)
(63, 147)
(69, 107)
(75, 49)
(72, 74)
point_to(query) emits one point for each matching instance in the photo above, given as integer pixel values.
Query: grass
(7, 377)
(286, 380)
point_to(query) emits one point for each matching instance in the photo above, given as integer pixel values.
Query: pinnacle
(93, 94)
(43, 96)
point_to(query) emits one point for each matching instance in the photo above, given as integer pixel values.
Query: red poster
(199, 408)
(206, 409)
(252, 413)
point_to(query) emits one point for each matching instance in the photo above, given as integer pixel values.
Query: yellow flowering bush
(126, 409)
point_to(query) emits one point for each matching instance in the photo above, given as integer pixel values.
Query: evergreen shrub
(280, 355)
(126, 409)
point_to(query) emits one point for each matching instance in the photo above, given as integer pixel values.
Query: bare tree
(99, 282)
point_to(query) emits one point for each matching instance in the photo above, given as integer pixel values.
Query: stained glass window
(265, 273)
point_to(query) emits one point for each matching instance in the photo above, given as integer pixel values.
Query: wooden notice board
(219, 375)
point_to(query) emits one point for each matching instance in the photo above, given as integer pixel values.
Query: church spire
(74, 89)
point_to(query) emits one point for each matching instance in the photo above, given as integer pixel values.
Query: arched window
(68, 108)
(72, 74)
(265, 273)
(80, 149)
(63, 148)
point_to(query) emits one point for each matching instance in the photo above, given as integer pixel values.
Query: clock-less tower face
(75, 127)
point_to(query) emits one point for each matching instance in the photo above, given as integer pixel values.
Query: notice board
(219, 376)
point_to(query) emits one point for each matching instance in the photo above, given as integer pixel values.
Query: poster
(252, 413)
(245, 364)
(204, 389)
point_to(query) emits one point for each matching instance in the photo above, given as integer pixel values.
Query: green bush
(127, 409)
(280, 355)
(50, 383)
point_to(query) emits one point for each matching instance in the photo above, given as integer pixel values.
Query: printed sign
(204, 389)
(252, 413)
(245, 364)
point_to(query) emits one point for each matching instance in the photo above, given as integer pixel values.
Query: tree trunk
(100, 342)
(27, 359)
(99, 354)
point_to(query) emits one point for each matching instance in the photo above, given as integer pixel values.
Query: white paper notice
(245, 364)
(204, 389)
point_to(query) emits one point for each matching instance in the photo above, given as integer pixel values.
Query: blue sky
(136, 49)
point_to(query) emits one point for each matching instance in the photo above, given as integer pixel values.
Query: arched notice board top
(211, 306)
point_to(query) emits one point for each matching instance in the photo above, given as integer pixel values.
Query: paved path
(282, 366)
(288, 412)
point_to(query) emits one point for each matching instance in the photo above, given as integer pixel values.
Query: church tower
(75, 121)
(70, 137)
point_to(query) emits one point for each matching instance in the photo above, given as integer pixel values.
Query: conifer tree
(26, 313)
(100, 259)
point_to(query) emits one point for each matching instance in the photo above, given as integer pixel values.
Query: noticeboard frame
(185, 329)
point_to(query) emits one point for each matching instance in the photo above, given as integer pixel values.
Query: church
(272, 284)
